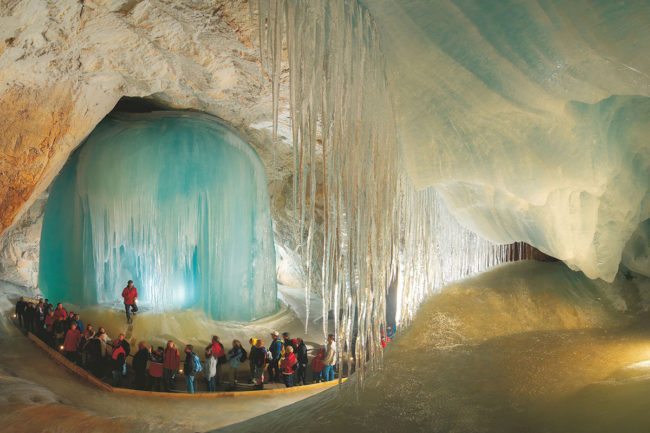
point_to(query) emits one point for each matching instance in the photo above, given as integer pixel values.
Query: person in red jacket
(317, 366)
(71, 343)
(288, 365)
(130, 295)
(60, 313)
(171, 362)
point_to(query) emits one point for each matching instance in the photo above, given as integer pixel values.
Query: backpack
(197, 364)
(244, 356)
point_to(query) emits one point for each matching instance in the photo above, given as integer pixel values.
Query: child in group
(317, 366)
(288, 365)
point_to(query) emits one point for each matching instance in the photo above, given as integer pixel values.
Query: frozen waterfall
(176, 202)
(378, 231)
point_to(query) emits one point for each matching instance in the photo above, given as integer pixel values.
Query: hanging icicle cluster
(361, 226)
(435, 250)
(345, 152)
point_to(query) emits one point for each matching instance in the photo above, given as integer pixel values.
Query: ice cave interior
(473, 175)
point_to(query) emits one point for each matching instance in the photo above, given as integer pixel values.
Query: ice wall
(378, 231)
(176, 202)
(531, 118)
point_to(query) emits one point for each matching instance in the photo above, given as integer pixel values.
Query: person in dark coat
(156, 370)
(48, 307)
(140, 360)
(39, 320)
(94, 356)
(189, 369)
(303, 360)
(28, 317)
(21, 305)
(276, 347)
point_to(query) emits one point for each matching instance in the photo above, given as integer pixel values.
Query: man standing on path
(330, 358)
(130, 295)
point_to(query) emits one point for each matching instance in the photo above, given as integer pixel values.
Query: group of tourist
(284, 361)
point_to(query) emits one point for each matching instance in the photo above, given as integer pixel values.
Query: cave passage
(176, 202)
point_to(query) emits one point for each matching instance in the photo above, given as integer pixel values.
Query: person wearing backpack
(258, 360)
(236, 356)
(192, 367)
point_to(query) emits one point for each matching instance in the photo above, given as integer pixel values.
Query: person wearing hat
(258, 361)
(275, 348)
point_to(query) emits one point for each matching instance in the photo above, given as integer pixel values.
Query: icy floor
(37, 396)
(528, 347)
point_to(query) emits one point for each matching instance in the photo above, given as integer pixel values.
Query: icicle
(377, 230)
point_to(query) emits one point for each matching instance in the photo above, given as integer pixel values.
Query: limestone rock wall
(64, 64)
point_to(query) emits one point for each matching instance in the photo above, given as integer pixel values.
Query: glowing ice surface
(176, 202)
(530, 118)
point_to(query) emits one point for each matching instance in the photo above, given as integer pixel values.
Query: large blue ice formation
(176, 202)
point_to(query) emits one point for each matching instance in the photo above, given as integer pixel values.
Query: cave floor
(78, 406)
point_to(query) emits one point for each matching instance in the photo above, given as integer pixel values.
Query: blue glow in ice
(176, 202)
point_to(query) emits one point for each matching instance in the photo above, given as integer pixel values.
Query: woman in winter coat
(171, 362)
(235, 356)
(71, 343)
(288, 365)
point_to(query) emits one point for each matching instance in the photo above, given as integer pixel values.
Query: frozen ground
(526, 347)
(37, 396)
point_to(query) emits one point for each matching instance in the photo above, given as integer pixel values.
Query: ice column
(176, 202)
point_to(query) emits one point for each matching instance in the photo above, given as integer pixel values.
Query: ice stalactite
(435, 250)
(377, 230)
(176, 202)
